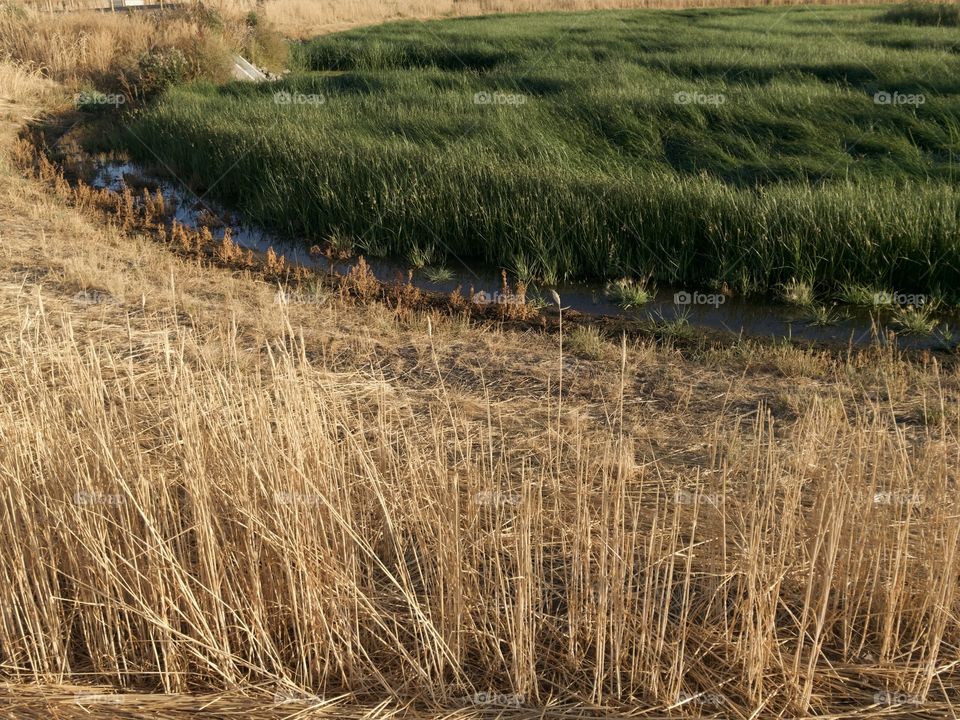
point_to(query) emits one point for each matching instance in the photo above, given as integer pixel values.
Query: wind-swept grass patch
(645, 143)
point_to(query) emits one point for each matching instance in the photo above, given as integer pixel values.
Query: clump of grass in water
(438, 274)
(421, 257)
(823, 316)
(915, 320)
(947, 338)
(796, 292)
(339, 246)
(866, 296)
(543, 270)
(521, 269)
(372, 247)
(629, 293)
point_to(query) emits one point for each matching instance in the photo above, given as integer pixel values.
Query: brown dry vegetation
(132, 52)
(304, 18)
(208, 490)
(82, 46)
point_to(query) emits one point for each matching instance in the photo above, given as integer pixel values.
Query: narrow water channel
(846, 326)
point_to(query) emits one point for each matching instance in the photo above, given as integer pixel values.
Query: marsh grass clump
(947, 338)
(587, 341)
(798, 293)
(629, 293)
(421, 256)
(825, 316)
(923, 14)
(536, 301)
(866, 296)
(438, 273)
(339, 246)
(674, 328)
(541, 269)
(915, 319)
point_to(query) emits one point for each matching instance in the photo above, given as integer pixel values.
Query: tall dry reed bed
(133, 55)
(181, 514)
(307, 18)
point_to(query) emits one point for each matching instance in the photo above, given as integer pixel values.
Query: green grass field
(738, 147)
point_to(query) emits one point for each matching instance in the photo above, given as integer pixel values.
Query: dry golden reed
(177, 519)
(173, 519)
(92, 49)
(303, 18)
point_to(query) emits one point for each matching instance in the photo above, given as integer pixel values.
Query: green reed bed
(746, 147)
